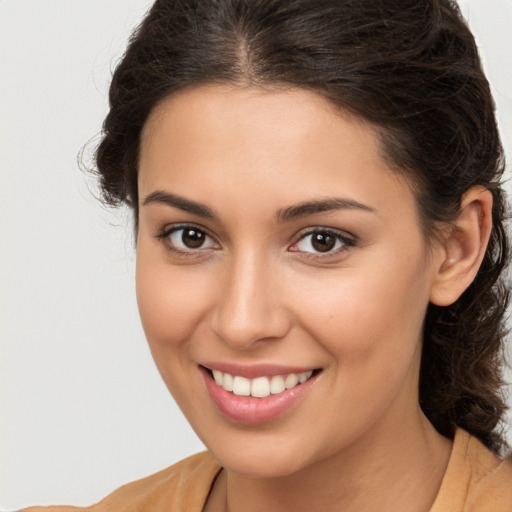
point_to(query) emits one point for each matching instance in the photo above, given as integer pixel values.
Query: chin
(265, 466)
(262, 456)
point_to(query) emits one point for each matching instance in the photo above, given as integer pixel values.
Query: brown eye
(188, 238)
(323, 242)
(192, 238)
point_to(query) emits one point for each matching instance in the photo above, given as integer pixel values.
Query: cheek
(372, 319)
(171, 304)
(171, 301)
(373, 337)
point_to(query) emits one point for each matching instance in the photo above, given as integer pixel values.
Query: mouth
(259, 395)
(259, 387)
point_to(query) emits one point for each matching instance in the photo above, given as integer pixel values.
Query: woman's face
(276, 245)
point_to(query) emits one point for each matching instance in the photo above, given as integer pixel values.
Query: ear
(463, 247)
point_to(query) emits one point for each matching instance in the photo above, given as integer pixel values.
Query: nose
(250, 306)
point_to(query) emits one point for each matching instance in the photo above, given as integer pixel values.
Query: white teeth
(227, 382)
(259, 387)
(291, 381)
(304, 376)
(241, 386)
(277, 385)
(217, 376)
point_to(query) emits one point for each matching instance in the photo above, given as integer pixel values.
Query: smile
(259, 387)
(262, 393)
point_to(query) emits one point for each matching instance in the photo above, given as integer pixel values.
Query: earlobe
(463, 247)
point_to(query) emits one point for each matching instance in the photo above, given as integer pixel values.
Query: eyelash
(346, 241)
(170, 230)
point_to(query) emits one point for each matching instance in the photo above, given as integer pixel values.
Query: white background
(83, 409)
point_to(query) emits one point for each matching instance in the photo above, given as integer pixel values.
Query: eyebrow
(287, 214)
(161, 197)
(320, 206)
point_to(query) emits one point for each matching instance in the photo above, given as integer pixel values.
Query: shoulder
(476, 480)
(491, 482)
(183, 486)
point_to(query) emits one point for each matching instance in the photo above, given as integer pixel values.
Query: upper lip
(255, 370)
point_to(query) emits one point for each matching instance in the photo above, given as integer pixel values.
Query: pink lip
(250, 410)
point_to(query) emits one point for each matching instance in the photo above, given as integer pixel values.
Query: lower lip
(251, 410)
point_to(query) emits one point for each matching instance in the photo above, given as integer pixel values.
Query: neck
(400, 471)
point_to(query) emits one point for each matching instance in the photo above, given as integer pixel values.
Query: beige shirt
(475, 481)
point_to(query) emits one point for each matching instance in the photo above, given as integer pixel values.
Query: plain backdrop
(83, 409)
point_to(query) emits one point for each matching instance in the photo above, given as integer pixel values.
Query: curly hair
(411, 68)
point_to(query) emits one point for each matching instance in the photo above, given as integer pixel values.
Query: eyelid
(348, 241)
(168, 229)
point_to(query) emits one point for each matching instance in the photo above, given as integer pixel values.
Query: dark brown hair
(411, 68)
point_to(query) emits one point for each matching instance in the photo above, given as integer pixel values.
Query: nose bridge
(249, 308)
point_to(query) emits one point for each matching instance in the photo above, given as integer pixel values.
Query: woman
(320, 240)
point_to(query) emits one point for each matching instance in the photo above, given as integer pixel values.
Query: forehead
(265, 118)
(277, 143)
(222, 117)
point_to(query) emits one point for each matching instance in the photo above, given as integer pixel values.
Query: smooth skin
(228, 270)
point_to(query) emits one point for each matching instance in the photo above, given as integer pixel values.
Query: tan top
(475, 481)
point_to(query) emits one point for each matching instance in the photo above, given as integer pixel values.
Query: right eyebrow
(161, 197)
(319, 206)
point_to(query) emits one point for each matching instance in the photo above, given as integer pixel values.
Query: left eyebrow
(187, 205)
(304, 209)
